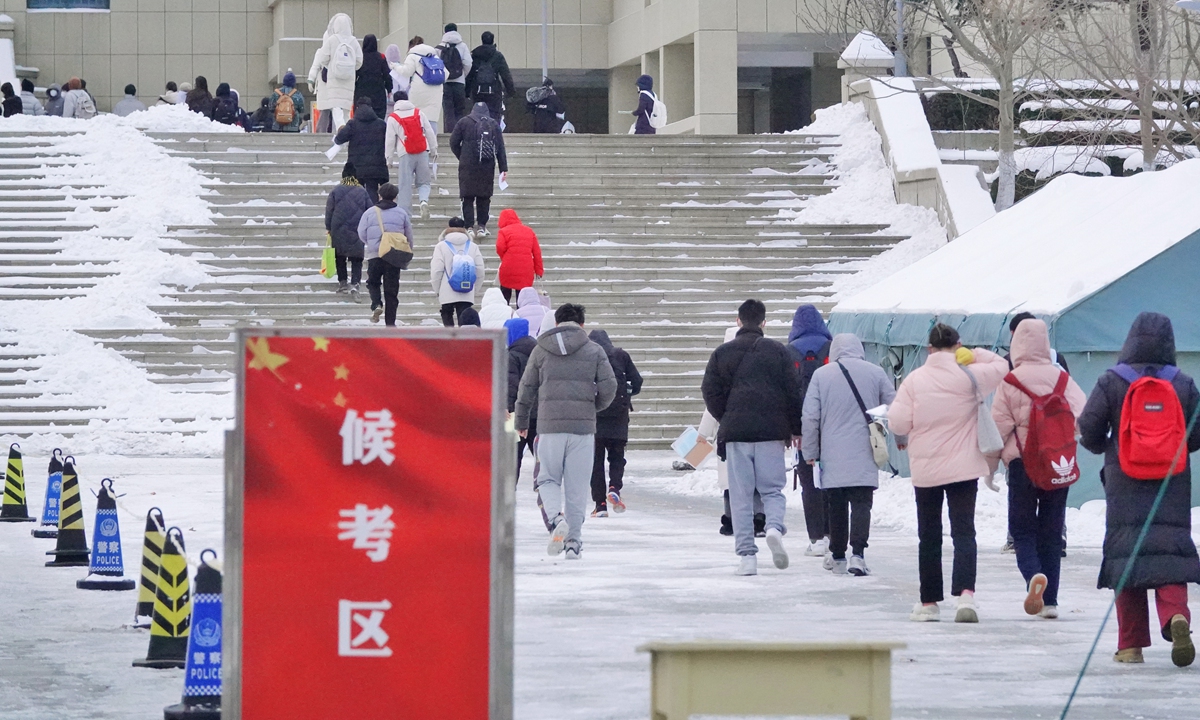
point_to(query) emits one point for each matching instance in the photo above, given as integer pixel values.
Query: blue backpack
(433, 70)
(461, 274)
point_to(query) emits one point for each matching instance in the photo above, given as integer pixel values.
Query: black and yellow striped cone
(13, 508)
(48, 527)
(172, 608)
(152, 545)
(202, 679)
(107, 570)
(72, 549)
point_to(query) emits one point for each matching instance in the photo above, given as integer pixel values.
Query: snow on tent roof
(1057, 247)
(867, 50)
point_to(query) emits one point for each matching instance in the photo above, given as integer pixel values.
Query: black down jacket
(518, 359)
(1168, 556)
(752, 388)
(475, 177)
(366, 133)
(343, 210)
(612, 423)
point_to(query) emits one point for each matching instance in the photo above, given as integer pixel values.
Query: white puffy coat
(494, 311)
(335, 93)
(427, 98)
(443, 261)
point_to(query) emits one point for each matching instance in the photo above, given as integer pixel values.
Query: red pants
(1133, 614)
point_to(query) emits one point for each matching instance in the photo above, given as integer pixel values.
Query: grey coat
(395, 219)
(835, 431)
(569, 379)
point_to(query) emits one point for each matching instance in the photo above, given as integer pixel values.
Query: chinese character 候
(359, 631)
(369, 528)
(367, 438)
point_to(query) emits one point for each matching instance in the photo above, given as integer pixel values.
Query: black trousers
(473, 205)
(960, 500)
(372, 188)
(507, 293)
(495, 103)
(816, 512)
(526, 442)
(452, 313)
(355, 269)
(615, 449)
(379, 274)
(1036, 518)
(849, 519)
(454, 104)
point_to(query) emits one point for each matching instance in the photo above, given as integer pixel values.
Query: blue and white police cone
(107, 570)
(48, 527)
(202, 679)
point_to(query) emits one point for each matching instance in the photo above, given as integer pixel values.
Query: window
(67, 4)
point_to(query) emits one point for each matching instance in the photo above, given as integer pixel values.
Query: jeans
(1036, 519)
(355, 269)
(470, 204)
(849, 519)
(755, 466)
(960, 498)
(372, 188)
(1133, 613)
(454, 103)
(562, 483)
(816, 511)
(616, 469)
(380, 273)
(452, 313)
(413, 165)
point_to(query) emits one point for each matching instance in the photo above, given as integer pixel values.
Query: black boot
(726, 525)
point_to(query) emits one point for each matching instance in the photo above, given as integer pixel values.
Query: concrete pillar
(622, 95)
(715, 53)
(826, 81)
(679, 81)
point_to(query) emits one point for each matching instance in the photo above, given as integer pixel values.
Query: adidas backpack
(461, 274)
(1152, 427)
(433, 70)
(1049, 451)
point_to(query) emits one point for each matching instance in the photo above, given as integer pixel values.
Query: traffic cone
(152, 546)
(13, 508)
(202, 679)
(172, 608)
(72, 550)
(107, 571)
(48, 528)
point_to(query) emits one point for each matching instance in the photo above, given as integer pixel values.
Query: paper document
(692, 448)
(880, 412)
(503, 183)
(332, 152)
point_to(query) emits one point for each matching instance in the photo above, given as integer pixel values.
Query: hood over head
(340, 24)
(53, 91)
(222, 89)
(845, 346)
(645, 82)
(1151, 341)
(370, 44)
(185, 87)
(480, 111)
(493, 296)
(808, 321)
(1030, 343)
(517, 328)
(508, 216)
(392, 53)
(365, 113)
(469, 317)
(564, 339)
(600, 337)
(528, 297)
(452, 38)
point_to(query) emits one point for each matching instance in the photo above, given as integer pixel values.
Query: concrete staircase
(660, 238)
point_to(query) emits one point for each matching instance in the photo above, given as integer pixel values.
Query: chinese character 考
(368, 437)
(359, 629)
(369, 528)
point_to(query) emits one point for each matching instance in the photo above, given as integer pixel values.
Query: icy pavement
(660, 571)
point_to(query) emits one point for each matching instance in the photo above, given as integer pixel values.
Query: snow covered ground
(660, 571)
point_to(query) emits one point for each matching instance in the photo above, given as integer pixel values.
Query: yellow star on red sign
(262, 357)
(320, 343)
(341, 372)
(339, 400)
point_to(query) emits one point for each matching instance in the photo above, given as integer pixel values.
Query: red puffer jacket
(519, 251)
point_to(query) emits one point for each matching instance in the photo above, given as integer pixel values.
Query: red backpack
(414, 134)
(1152, 426)
(1050, 447)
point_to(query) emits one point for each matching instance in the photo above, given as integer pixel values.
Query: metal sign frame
(503, 476)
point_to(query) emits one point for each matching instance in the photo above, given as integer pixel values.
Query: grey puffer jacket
(835, 431)
(568, 379)
(395, 219)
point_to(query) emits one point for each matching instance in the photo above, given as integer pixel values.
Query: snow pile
(159, 118)
(864, 195)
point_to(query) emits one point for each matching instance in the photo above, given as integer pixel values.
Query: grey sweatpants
(413, 164)
(566, 475)
(755, 466)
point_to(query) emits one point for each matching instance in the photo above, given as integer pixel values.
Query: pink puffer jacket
(1030, 355)
(936, 408)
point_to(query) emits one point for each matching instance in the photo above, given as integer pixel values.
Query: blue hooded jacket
(809, 333)
(517, 329)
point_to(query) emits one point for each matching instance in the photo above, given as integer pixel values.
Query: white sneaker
(925, 613)
(573, 551)
(424, 209)
(839, 567)
(827, 563)
(966, 612)
(818, 548)
(775, 542)
(747, 565)
(857, 566)
(558, 537)
(1050, 612)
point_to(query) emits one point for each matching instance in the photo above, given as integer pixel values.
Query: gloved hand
(964, 356)
(990, 481)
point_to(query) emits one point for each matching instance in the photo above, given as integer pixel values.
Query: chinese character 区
(367, 438)
(369, 528)
(359, 629)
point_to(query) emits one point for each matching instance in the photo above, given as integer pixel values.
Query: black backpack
(486, 79)
(486, 131)
(226, 110)
(809, 364)
(452, 59)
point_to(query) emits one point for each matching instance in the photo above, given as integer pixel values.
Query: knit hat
(348, 170)
(289, 79)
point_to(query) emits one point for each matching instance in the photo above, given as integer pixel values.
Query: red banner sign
(366, 527)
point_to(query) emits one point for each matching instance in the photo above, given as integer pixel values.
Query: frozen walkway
(658, 571)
